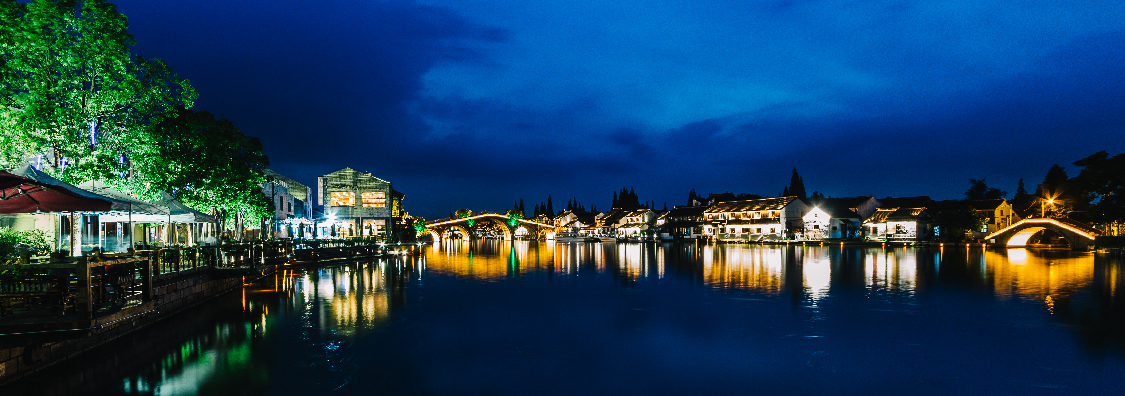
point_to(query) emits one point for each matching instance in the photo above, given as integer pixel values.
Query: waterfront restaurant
(755, 219)
(357, 204)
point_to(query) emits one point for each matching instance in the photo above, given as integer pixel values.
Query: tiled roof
(906, 202)
(880, 215)
(751, 205)
(839, 212)
(686, 211)
(906, 214)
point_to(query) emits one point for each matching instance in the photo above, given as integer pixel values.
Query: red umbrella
(23, 195)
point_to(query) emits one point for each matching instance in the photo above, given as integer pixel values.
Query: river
(526, 318)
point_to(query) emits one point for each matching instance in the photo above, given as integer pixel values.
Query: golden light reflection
(1038, 275)
(757, 268)
(500, 260)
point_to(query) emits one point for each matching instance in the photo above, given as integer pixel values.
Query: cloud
(511, 99)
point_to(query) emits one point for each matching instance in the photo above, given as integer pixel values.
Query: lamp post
(1043, 209)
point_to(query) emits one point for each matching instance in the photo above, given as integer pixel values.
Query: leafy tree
(419, 224)
(1057, 197)
(1055, 183)
(514, 217)
(71, 90)
(978, 189)
(463, 213)
(206, 163)
(1101, 186)
(956, 224)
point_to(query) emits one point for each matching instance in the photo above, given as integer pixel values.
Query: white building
(755, 219)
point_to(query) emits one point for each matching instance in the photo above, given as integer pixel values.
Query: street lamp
(1043, 209)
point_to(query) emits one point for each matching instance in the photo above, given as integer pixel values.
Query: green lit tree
(72, 91)
(207, 163)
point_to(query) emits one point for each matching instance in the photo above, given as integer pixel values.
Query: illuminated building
(900, 219)
(998, 213)
(684, 221)
(838, 218)
(755, 219)
(291, 206)
(357, 204)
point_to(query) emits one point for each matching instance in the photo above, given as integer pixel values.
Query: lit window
(342, 198)
(375, 199)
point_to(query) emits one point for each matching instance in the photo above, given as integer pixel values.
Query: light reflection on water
(332, 328)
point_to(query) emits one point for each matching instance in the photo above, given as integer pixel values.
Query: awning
(27, 171)
(23, 195)
(182, 213)
(142, 212)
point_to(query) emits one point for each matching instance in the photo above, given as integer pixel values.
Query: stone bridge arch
(1078, 236)
(507, 227)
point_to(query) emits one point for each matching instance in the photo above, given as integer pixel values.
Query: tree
(206, 163)
(72, 92)
(463, 213)
(419, 224)
(956, 224)
(1021, 191)
(1055, 183)
(550, 207)
(979, 190)
(1100, 186)
(796, 186)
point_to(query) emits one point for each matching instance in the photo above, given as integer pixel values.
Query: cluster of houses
(358, 204)
(355, 204)
(721, 217)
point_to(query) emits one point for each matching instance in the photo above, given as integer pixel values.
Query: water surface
(560, 319)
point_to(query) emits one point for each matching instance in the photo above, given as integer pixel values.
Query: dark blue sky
(477, 103)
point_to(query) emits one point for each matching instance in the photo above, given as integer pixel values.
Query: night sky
(478, 103)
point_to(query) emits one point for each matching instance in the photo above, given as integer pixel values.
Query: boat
(569, 237)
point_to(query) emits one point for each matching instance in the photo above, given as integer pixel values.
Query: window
(375, 199)
(342, 198)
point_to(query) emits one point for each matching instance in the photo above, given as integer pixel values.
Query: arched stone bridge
(1079, 236)
(443, 229)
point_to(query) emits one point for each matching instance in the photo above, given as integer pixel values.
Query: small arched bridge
(441, 229)
(1079, 236)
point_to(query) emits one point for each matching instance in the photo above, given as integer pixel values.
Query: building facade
(357, 204)
(755, 219)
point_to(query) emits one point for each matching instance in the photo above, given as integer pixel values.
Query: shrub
(9, 238)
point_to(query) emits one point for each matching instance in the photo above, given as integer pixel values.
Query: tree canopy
(73, 92)
(978, 189)
(206, 163)
(1101, 186)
